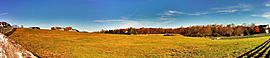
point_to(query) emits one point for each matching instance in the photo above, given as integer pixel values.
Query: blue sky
(94, 15)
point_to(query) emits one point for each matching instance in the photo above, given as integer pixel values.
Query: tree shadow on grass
(260, 47)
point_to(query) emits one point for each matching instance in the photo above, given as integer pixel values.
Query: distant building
(64, 29)
(4, 25)
(267, 28)
(74, 30)
(264, 28)
(57, 28)
(67, 28)
(168, 34)
(267, 31)
(15, 26)
(34, 27)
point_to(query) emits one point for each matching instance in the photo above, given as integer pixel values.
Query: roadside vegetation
(64, 44)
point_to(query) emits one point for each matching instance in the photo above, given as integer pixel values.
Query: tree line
(194, 31)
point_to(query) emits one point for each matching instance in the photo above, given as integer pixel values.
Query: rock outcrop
(10, 49)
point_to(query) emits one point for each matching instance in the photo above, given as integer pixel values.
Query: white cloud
(123, 22)
(233, 9)
(239, 6)
(4, 13)
(227, 11)
(113, 20)
(101, 21)
(168, 15)
(265, 15)
(255, 15)
(268, 4)
(245, 9)
(172, 12)
(167, 19)
(198, 13)
(130, 23)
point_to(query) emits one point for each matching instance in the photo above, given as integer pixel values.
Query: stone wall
(10, 49)
(6, 30)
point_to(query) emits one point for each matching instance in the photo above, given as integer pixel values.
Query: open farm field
(64, 44)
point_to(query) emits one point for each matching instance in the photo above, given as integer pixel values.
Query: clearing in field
(63, 44)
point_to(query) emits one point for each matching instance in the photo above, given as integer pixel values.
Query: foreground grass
(61, 44)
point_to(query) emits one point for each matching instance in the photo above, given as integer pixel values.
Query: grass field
(62, 44)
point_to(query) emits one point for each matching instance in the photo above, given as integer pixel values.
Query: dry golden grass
(62, 44)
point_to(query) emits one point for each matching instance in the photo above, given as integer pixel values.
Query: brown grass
(63, 44)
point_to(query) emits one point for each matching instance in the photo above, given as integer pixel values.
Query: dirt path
(259, 51)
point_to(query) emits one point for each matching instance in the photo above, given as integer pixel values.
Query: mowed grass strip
(64, 44)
